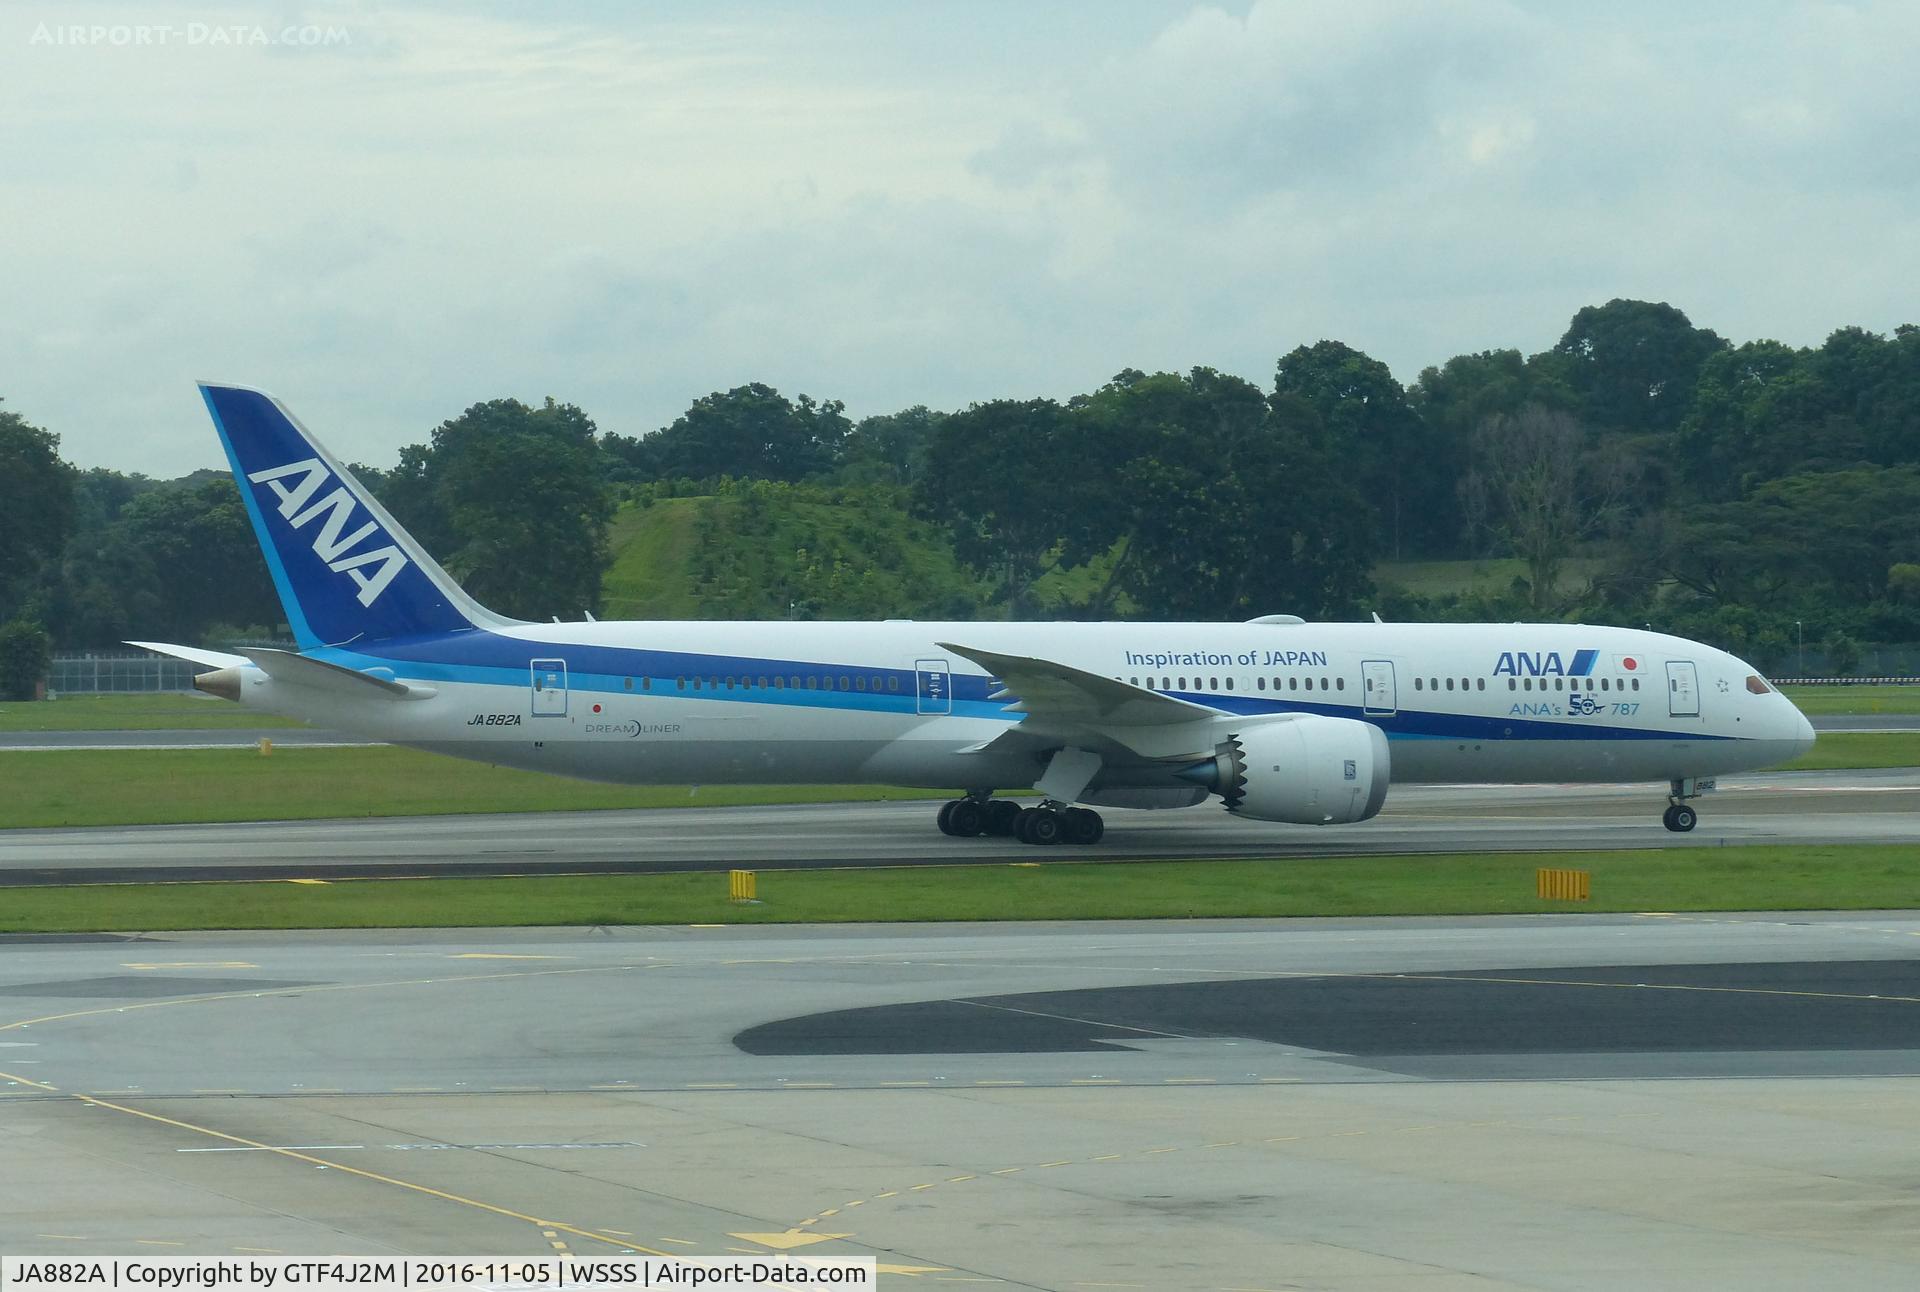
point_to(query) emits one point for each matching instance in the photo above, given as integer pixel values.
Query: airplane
(1278, 719)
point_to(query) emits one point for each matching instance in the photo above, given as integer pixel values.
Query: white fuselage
(681, 702)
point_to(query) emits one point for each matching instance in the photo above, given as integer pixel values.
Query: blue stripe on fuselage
(487, 658)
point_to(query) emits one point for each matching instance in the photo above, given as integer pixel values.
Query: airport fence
(128, 672)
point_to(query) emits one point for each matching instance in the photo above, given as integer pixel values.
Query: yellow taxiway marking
(912, 1270)
(76, 1238)
(309, 1159)
(788, 1240)
(906, 1083)
(271, 1251)
(684, 1242)
(1008, 1170)
(159, 1242)
(890, 1193)
(955, 1179)
(919, 1187)
(1095, 1081)
(1002, 1083)
(500, 955)
(711, 1085)
(309, 881)
(1105, 1157)
(188, 964)
(808, 1085)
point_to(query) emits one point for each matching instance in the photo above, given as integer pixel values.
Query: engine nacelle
(1308, 770)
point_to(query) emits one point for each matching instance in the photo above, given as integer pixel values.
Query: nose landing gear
(1678, 817)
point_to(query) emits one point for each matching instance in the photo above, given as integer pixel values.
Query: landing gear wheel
(965, 818)
(1680, 818)
(1082, 825)
(1001, 817)
(945, 819)
(1039, 826)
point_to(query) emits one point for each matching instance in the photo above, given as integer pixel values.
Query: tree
(1015, 484)
(26, 653)
(36, 510)
(1538, 489)
(179, 561)
(1633, 363)
(750, 432)
(513, 499)
(890, 448)
(1365, 423)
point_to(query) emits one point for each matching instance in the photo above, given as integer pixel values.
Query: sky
(386, 213)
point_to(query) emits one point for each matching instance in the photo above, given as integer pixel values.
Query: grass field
(157, 712)
(1838, 750)
(77, 787)
(71, 787)
(1863, 700)
(1755, 878)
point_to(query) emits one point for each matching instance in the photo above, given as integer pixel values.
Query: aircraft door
(1376, 684)
(933, 686)
(1683, 689)
(549, 688)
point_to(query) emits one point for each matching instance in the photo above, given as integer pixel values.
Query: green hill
(765, 550)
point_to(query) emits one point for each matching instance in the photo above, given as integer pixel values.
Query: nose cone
(1803, 736)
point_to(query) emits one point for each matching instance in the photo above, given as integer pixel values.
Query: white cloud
(630, 210)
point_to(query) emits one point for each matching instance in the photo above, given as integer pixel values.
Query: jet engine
(1308, 770)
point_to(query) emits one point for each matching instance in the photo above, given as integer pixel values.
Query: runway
(1787, 807)
(1538, 1102)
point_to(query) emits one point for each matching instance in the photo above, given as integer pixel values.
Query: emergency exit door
(549, 688)
(1376, 684)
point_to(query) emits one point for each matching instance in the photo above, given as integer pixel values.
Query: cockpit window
(1758, 685)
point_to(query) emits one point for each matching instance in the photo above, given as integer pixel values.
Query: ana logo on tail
(299, 507)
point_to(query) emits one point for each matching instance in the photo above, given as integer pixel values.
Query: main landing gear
(1678, 817)
(1046, 823)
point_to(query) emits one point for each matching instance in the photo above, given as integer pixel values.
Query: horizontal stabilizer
(318, 675)
(193, 654)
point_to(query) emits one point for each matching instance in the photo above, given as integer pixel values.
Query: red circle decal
(1629, 663)
(596, 708)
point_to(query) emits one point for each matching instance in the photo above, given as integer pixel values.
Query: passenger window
(1526, 684)
(1259, 683)
(1449, 684)
(1293, 684)
(1636, 684)
(1603, 684)
(1512, 685)
(794, 682)
(680, 683)
(779, 683)
(1339, 683)
(893, 682)
(1213, 684)
(629, 684)
(1480, 684)
(729, 684)
(859, 683)
(1419, 684)
(843, 682)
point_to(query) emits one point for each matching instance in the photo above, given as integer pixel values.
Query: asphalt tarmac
(1520, 1102)
(1790, 807)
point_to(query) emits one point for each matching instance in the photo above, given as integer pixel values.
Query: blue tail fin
(346, 571)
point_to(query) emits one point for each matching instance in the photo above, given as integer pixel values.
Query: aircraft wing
(1061, 698)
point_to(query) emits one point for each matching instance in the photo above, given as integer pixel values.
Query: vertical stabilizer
(345, 569)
